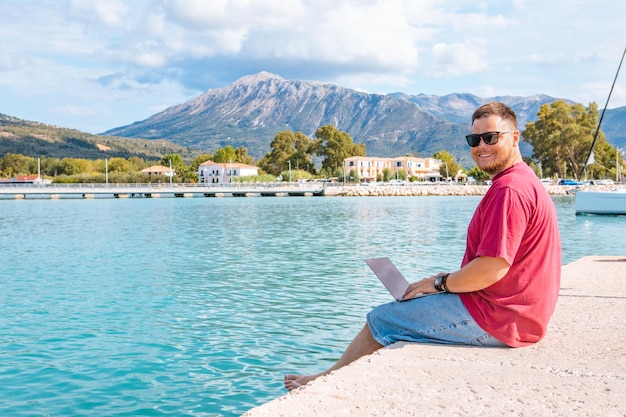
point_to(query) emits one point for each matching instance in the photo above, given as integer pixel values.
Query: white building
(158, 170)
(369, 168)
(210, 172)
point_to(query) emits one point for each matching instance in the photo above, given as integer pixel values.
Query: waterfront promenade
(304, 189)
(579, 369)
(92, 191)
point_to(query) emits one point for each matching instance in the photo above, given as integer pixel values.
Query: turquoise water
(197, 307)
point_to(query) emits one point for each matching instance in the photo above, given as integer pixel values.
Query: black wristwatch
(440, 283)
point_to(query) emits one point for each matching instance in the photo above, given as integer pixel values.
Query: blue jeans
(437, 318)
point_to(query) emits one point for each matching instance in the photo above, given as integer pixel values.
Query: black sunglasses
(490, 138)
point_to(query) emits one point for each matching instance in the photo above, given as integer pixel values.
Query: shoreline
(579, 368)
(121, 191)
(438, 190)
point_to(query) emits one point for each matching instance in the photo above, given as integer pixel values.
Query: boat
(601, 202)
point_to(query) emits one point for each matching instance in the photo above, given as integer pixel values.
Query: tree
(74, 166)
(241, 156)
(119, 165)
(51, 166)
(353, 175)
(561, 137)
(16, 164)
(602, 165)
(289, 148)
(198, 160)
(136, 163)
(175, 159)
(275, 162)
(335, 146)
(449, 167)
(302, 156)
(225, 154)
(187, 174)
(386, 174)
(478, 174)
(295, 175)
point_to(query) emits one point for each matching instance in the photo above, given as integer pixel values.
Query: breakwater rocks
(404, 190)
(435, 189)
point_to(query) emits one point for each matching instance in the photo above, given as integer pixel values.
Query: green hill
(40, 140)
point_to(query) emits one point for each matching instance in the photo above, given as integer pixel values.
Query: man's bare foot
(294, 381)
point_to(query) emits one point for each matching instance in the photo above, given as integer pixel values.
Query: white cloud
(374, 34)
(201, 15)
(459, 58)
(148, 54)
(112, 13)
(113, 50)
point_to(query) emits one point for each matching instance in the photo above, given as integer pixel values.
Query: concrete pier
(126, 191)
(579, 369)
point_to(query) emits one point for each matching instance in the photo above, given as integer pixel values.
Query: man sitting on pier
(506, 289)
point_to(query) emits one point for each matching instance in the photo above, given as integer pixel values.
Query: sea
(199, 306)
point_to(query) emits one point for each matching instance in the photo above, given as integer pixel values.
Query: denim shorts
(437, 318)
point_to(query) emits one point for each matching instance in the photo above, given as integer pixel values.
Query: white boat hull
(601, 202)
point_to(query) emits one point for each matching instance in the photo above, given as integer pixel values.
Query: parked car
(604, 182)
(569, 182)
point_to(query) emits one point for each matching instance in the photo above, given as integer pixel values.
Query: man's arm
(480, 273)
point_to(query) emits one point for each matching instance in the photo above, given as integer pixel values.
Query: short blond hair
(495, 108)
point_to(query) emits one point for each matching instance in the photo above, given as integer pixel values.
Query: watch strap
(439, 283)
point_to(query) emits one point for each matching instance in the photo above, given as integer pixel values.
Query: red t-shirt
(516, 220)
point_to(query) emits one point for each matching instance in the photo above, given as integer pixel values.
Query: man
(507, 287)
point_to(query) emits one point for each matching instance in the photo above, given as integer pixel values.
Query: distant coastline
(435, 190)
(91, 191)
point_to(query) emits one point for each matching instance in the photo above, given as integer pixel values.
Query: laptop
(391, 278)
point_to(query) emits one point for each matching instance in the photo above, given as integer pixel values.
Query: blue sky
(98, 64)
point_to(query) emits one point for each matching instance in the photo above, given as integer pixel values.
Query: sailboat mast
(595, 136)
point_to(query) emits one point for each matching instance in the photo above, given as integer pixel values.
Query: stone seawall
(441, 190)
(579, 369)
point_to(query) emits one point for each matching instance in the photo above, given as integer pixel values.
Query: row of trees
(561, 137)
(296, 150)
(293, 152)
(117, 169)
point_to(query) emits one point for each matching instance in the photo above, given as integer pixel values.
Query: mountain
(250, 111)
(458, 108)
(614, 127)
(38, 139)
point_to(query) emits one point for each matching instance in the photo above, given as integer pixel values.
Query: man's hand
(476, 275)
(425, 286)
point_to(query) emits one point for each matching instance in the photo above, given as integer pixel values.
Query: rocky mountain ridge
(250, 111)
